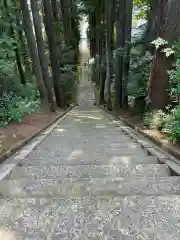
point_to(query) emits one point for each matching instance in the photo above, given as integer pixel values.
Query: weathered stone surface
(146, 234)
(93, 218)
(90, 180)
(90, 187)
(86, 135)
(91, 160)
(91, 171)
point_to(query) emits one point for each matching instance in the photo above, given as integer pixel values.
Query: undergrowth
(17, 101)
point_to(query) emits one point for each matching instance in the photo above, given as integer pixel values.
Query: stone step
(87, 146)
(124, 160)
(78, 154)
(98, 151)
(90, 136)
(84, 145)
(90, 171)
(120, 151)
(66, 133)
(86, 187)
(125, 218)
(143, 234)
(84, 153)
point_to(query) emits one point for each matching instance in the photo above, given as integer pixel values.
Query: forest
(39, 54)
(139, 73)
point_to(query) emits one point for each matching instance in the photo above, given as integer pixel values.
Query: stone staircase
(89, 180)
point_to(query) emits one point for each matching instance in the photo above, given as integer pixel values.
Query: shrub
(139, 73)
(69, 83)
(172, 125)
(13, 107)
(156, 119)
(174, 77)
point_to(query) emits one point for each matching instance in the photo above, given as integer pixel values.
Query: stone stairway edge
(154, 146)
(12, 157)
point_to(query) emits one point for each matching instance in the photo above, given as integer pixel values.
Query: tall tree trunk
(102, 46)
(16, 49)
(53, 53)
(55, 11)
(42, 55)
(56, 21)
(158, 82)
(128, 29)
(109, 33)
(24, 50)
(75, 32)
(169, 30)
(173, 20)
(120, 43)
(66, 20)
(92, 23)
(27, 23)
(18, 61)
(151, 32)
(102, 87)
(57, 28)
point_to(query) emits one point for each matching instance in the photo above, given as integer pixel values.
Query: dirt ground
(15, 132)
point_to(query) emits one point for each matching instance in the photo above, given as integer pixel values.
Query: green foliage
(139, 73)
(174, 74)
(69, 82)
(24, 91)
(174, 77)
(142, 6)
(172, 125)
(139, 67)
(155, 119)
(167, 122)
(17, 100)
(7, 46)
(14, 108)
(176, 49)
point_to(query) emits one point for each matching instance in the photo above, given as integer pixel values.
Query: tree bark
(109, 32)
(158, 82)
(126, 65)
(102, 46)
(55, 11)
(53, 53)
(92, 23)
(27, 23)
(66, 20)
(24, 50)
(16, 49)
(57, 28)
(151, 32)
(102, 87)
(120, 44)
(42, 55)
(173, 20)
(169, 30)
